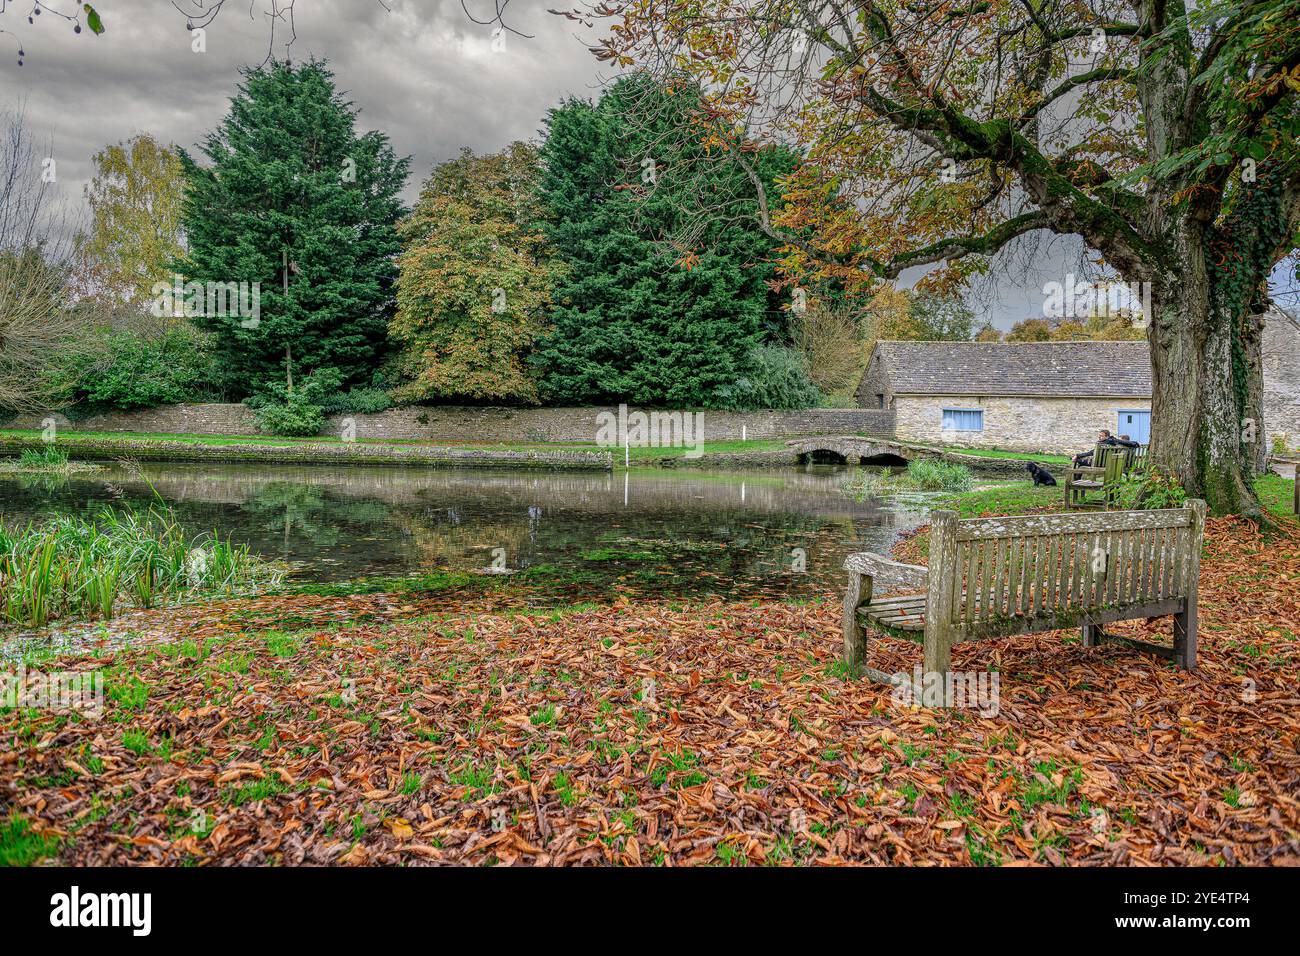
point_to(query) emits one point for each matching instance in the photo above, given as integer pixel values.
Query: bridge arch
(884, 460)
(845, 450)
(822, 456)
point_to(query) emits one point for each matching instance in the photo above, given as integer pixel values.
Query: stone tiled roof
(1060, 369)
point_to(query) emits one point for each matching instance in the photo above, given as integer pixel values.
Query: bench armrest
(1079, 472)
(887, 574)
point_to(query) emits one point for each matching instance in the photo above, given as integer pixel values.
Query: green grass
(475, 777)
(19, 846)
(48, 460)
(281, 644)
(1009, 498)
(1276, 494)
(72, 436)
(1018, 497)
(564, 788)
(1001, 453)
(636, 454)
(254, 790)
(48, 457)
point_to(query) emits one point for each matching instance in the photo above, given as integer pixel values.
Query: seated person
(1104, 437)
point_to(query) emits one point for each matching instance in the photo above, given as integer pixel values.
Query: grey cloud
(422, 72)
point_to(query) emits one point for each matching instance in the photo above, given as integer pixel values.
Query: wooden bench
(1109, 464)
(994, 577)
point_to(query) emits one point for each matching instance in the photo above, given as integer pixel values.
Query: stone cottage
(1048, 396)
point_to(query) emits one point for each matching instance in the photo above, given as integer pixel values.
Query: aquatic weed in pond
(923, 474)
(68, 566)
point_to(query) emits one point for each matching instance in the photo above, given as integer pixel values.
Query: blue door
(1136, 424)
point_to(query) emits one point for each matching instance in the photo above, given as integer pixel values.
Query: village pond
(778, 532)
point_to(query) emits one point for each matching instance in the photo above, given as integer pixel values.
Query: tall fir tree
(639, 315)
(289, 180)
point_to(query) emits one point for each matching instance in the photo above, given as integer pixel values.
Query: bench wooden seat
(1109, 464)
(994, 577)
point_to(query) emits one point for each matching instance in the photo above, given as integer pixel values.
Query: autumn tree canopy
(474, 281)
(135, 233)
(936, 132)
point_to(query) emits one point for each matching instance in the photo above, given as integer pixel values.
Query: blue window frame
(963, 419)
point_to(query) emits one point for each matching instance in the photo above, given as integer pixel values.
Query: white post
(744, 433)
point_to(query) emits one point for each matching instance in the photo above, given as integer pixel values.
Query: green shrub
(125, 370)
(294, 418)
(1149, 490)
(297, 412)
(358, 401)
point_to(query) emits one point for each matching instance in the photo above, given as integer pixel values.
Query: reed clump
(71, 567)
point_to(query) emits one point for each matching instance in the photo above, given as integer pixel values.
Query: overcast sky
(421, 71)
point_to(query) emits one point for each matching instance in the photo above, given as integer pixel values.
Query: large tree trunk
(1252, 341)
(1200, 409)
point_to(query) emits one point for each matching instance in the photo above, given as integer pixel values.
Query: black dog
(1041, 475)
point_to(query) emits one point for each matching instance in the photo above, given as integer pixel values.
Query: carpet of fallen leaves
(461, 728)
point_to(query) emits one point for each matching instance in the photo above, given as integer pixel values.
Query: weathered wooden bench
(994, 577)
(1109, 464)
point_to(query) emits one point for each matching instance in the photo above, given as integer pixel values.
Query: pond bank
(721, 455)
(307, 452)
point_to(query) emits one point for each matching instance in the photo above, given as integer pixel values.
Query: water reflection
(644, 529)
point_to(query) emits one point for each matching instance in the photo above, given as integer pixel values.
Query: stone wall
(1281, 353)
(469, 424)
(1048, 425)
(206, 419)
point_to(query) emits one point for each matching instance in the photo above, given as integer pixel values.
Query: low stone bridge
(856, 450)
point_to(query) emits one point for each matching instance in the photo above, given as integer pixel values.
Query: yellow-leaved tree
(135, 233)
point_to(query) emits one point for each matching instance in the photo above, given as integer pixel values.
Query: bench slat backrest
(1038, 566)
(1130, 457)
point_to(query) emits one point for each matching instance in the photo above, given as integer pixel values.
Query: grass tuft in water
(70, 567)
(924, 474)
